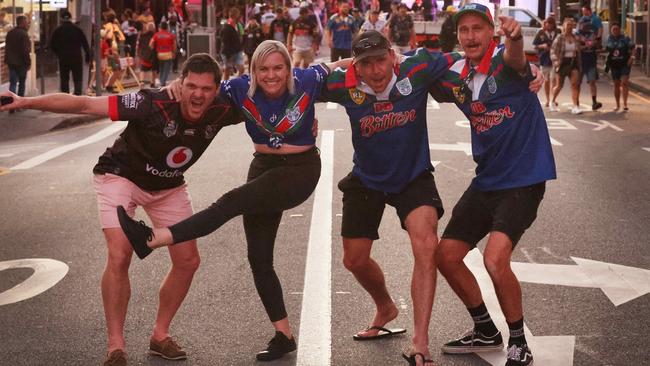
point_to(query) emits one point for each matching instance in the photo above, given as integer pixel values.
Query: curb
(75, 121)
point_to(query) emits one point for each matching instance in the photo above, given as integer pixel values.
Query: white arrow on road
(47, 273)
(619, 283)
(547, 350)
(602, 125)
(465, 147)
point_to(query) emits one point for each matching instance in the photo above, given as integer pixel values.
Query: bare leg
(617, 93)
(625, 89)
(185, 261)
(449, 258)
(422, 226)
(356, 258)
(559, 83)
(575, 87)
(116, 288)
(497, 262)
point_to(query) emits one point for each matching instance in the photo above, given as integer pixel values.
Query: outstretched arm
(59, 103)
(514, 55)
(343, 63)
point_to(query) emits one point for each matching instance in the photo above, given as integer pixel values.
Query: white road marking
(602, 125)
(433, 104)
(7, 155)
(435, 163)
(555, 142)
(296, 215)
(47, 273)
(40, 159)
(559, 124)
(547, 350)
(619, 283)
(646, 149)
(331, 105)
(315, 344)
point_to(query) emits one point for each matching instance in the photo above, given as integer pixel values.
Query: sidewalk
(32, 122)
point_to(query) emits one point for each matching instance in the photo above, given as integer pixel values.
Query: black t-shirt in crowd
(158, 145)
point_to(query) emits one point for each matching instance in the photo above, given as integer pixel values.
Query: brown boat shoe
(116, 358)
(167, 349)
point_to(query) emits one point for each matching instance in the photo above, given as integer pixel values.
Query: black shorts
(510, 211)
(336, 53)
(363, 207)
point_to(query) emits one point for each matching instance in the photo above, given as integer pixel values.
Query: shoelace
(148, 230)
(514, 352)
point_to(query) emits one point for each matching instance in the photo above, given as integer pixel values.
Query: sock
(482, 321)
(593, 97)
(516, 332)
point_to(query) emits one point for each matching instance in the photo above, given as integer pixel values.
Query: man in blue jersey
(385, 98)
(511, 146)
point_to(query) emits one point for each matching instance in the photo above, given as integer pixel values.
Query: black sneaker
(596, 106)
(137, 232)
(474, 341)
(279, 345)
(519, 355)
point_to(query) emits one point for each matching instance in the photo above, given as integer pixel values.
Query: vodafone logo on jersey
(179, 157)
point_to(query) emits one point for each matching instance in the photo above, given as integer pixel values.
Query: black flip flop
(383, 333)
(411, 358)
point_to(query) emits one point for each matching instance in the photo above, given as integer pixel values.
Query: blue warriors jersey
(391, 146)
(510, 141)
(288, 119)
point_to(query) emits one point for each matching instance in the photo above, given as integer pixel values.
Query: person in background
(565, 55)
(340, 30)
(596, 22)
(280, 26)
(374, 23)
(448, 37)
(619, 61)
(176, 29)
(302, 42)
(115, 28)
(253, 36)
(267, 17)
(146, 16)
(358, 18)
(589, 46)
(130, 33)
(165, 45)
(543, 42)
(17, 50)
(231, 45)
(147, 55)
(401, 30)
(67, 42)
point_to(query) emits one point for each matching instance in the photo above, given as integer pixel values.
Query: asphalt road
(590, 314)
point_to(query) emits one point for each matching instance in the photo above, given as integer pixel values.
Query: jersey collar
(484, 65)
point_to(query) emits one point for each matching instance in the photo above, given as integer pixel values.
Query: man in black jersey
(144, 167)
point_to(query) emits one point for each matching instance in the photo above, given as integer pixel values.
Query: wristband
(516, 38)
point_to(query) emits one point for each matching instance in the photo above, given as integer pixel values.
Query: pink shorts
(165, 207)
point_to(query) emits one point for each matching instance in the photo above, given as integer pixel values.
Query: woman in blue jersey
(278, 105)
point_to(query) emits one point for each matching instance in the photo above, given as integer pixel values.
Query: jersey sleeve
(334, 89)
(130, 106)
(437, 63)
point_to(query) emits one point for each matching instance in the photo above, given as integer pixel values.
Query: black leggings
(275, 183)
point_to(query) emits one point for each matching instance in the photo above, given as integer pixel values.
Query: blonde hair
(261, 53)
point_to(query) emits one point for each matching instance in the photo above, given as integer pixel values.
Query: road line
(40, 159)
(639, 96)
(315, 334)
(646, 149)
(7, 155)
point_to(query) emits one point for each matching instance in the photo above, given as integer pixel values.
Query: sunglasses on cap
(372, 41)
